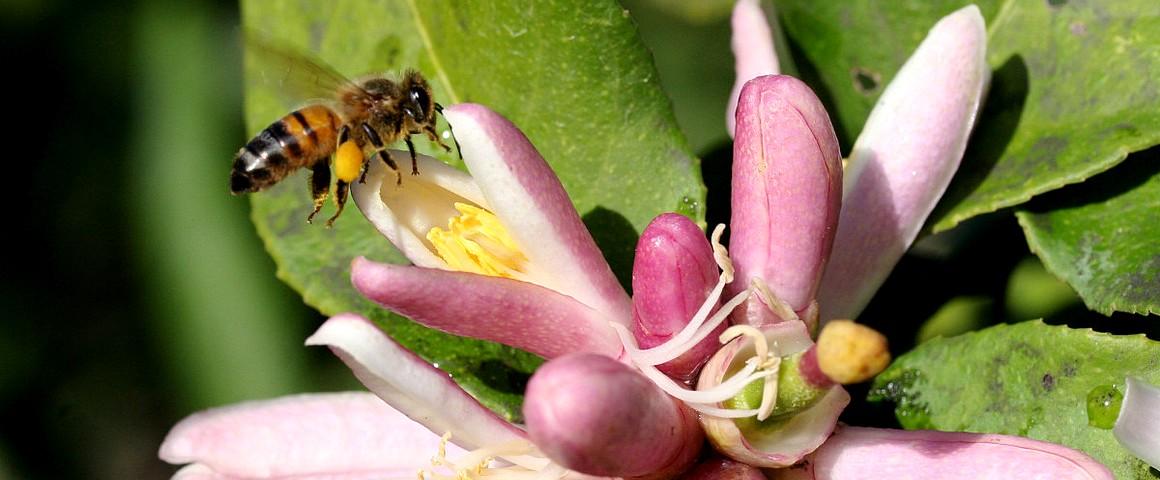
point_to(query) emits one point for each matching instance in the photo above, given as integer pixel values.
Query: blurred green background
(139, 293)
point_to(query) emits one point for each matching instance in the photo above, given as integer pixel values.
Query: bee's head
(417, 103)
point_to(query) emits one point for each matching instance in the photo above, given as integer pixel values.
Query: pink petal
(337, 435)
(598, 416)
(422, 392)
(871, 454)
(672, 275)
(905, 157)
(511, 312)
(529, 200)
(787, 179)
(753, 51)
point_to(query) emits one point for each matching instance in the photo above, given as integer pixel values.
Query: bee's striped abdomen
(297, 140)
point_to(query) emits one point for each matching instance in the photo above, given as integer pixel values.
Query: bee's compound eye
(421, 101)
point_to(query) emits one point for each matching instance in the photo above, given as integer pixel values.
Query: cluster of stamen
(517, 459)
(476, 242)
(762, 366)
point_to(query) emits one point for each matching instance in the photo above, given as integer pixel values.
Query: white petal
(1138, 426)
(422, 392)
(905, 157)
(753, 51)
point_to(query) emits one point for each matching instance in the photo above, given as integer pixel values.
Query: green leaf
(575, 78)
(1028, 379)
(1074, 92)
(1101, 238)
(853, 48)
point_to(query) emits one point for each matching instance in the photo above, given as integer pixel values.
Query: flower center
(476, 242)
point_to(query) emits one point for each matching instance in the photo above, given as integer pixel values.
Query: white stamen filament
(719, 393)
(677, 346)
(767, 360)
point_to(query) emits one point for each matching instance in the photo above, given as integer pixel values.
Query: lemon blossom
(500, 254)
(510, 224)
(909, 149)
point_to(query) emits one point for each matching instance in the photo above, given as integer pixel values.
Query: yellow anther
(476, 242)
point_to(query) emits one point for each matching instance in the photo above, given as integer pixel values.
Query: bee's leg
(435, 136)
(381, 151)
(319, 186)
(386, 157)
(341, 189)
(414, 162)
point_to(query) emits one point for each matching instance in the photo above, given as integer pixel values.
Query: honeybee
(357, 117)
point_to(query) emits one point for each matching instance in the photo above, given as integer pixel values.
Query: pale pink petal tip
(1138, 426)
(672, 275)
(904, 159)
(787, 187)
(717, 468)
(595, 415)
(529, 200)
(520, 314)
(753, 51)
(326, 435)
(881, 454)
(789, 442)
(410, 384)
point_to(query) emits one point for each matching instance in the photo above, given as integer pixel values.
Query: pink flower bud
(672, 276)
(594, 415)
(787, 190)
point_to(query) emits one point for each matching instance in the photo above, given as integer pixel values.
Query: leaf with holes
(574, 77)
(1028, 379)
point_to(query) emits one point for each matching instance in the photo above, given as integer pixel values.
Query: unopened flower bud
(597, 416)
(672, 276)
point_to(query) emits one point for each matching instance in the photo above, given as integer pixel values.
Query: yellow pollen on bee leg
(476, 242)
(348, 161)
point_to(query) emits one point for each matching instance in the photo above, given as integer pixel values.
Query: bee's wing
(294, 74)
